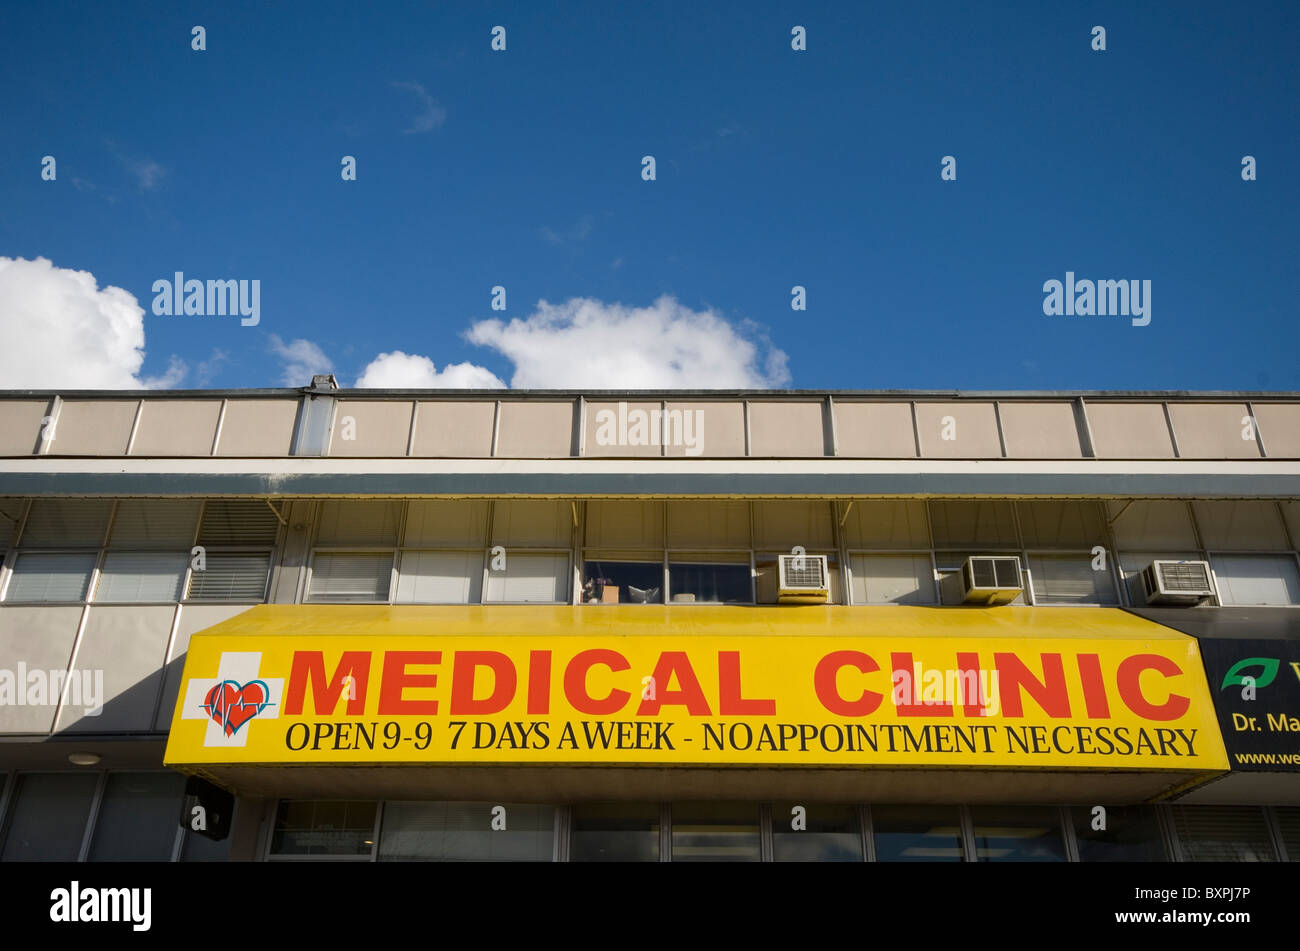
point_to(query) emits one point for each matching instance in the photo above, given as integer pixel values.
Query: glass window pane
(440, 577)
(1223, 834)
(351, 576)
(534, 579)
(50, 577)
(781, 525)
(1131, 834)
(710, 584)
(138, 818)
(1288, 822)
(815, 832)
(715, 832)
(231, 576)
(622, 582)
(1257, 579)
(532, 524)
(893, 579)
(615, 832)
(708, 524)
(1143, 523)
(1070, 579)
(1018, 834)
(141, 577)
(306, 827)
(464, 832)
(49, 817)
(916, 833)
(617, 524)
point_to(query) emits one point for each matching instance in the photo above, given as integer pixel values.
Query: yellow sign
(888, 699)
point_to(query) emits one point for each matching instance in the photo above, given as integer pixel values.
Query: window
(315, 829)
(1070, 579)
(1288, 826)
(885, 525)
(700, 579)
(1131, 834)
(1223, 834)
(137, 819)
(467, 832)
(141, 577)
(530, 578)
(66, 523)
(893, 579)
(231, 576)
(916, 833)
(715, 832)
(1018, 834)
(1240, 525)
(237, 538)
(614, 832)
(623, 582)
(351, 576)
(51, 577)
(440, 577)
(48, 817)
(1256, 579)
(815, 832)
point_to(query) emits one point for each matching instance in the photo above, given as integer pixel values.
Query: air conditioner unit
(1177, 582)
(803, 579)
(991, 580)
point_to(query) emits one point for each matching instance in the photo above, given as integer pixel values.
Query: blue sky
(775, 168)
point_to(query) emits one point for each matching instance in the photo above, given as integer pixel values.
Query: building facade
(678, 626)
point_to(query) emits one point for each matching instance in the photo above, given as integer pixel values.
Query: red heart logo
(232, 705)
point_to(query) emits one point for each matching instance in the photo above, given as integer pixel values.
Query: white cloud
(302, 360)
(398, 370)
(62, 331)
(432, 114)
(585, 343)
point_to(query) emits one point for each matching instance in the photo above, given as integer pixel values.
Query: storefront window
(916, 833)
(615, 832)
(715, 832)
(1018, 834)
(305, 828)
(49, 813)
(467, 832)
(815, 832)
(137, 819)
(1126, 834)
(1223, 834)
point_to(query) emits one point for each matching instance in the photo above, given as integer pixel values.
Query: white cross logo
(229, 710)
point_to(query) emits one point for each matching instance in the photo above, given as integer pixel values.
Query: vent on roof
(1177, 582)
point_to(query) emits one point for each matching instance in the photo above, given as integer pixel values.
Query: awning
(626, 701)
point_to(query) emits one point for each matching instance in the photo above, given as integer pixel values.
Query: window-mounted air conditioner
(803, 579)
(1177, 582)
(991, 580)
